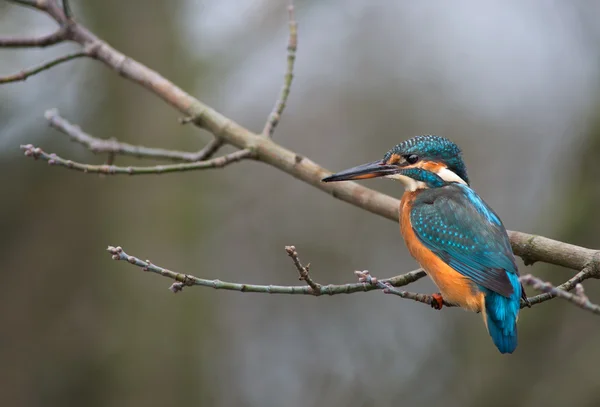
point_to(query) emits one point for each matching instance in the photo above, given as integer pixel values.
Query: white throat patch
(409, 183)
(450, 176)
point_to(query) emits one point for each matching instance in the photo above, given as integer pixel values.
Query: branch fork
(578, 298)
(303, 270)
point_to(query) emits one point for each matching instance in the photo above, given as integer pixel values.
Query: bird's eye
(412, 158)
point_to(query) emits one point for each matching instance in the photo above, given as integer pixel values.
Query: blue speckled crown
(433, 148)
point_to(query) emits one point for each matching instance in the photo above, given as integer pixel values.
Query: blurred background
(514, 83)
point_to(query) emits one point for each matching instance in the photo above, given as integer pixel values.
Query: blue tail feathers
(504, 335)
(501, 316)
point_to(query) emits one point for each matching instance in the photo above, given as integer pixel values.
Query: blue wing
(459, 227)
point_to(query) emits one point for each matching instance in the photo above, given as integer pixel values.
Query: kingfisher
(452, 233)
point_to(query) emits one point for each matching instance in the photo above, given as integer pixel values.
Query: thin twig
(279, 107)
(580, 301)
(569, 285)
(366, 283)
(209, 149)
(53, 159)
(580, 292)
(21, 76)
(44, 41)
(365, 277)
(303, 270)
(98, 145)
(110, 157)
(189, 280)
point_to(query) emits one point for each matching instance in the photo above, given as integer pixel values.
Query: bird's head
(420, 162)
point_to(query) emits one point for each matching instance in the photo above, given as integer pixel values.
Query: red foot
(438, 301)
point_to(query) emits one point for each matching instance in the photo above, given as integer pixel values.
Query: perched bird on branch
(456, 237)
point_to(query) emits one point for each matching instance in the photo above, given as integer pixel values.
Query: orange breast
(454, 287)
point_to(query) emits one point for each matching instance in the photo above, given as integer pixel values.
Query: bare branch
(182, 280)
(580, 292)
(44, 41)
(365, 277)
(279, 107)
(579, 300)
(569, 285)
(21, 76)
(53, 159)
(366, 283)
(303, 270)
(209, 150)
(533, 248)
(98, 145)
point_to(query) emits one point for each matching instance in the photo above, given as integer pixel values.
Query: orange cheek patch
(394, 159)
(431, 166)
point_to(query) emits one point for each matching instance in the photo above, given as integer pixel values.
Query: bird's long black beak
(365, 171)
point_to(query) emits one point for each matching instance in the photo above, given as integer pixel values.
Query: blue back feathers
(466, 234)
(433, 148)
(463, 231)
(481, 206)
